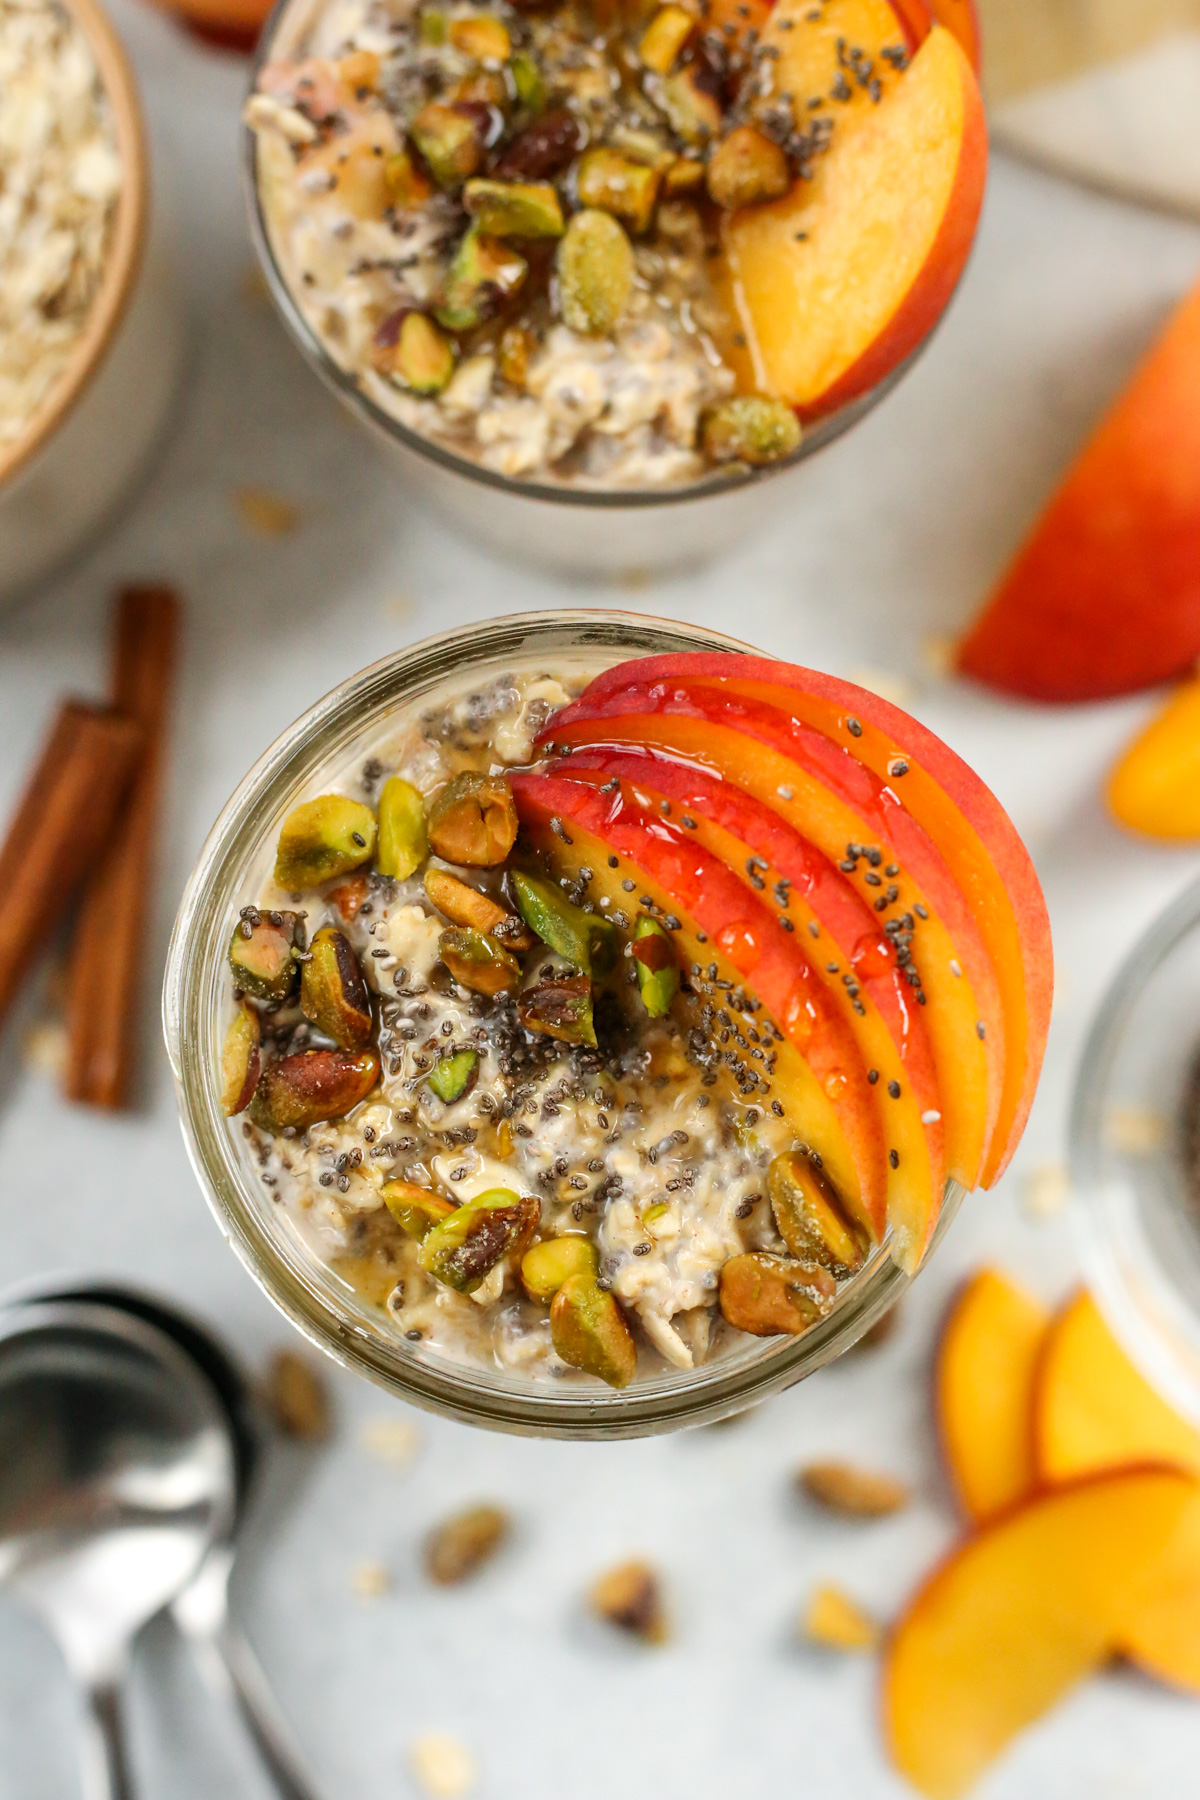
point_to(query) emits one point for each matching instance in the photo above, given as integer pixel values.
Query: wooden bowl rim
(125, 248)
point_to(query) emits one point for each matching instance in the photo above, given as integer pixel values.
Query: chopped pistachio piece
(451, 140)
(560, 1007)
(808, 1217)
(264, 953)
(517, 349)
(657, 969)
(333, 993)
(630, 1598)
(770, 1296)
(455, 1076)
(684, 176)
(595, 272)
(483, 274)
(473, 821)
(521, 209)
(664, 37)
(618, 185)
(466, 906)
(464, 1249)
(321, 839)
(241, 1061)
(464, 1543)
(746, 168)
(422, 358)
(481, 37)
(303, 1090)
(588, 1331)
(407, 185)
(432, 25)
(750, 429)
(479, 962)
(527, 79)
(547, 1265)
(403, 842)
(586, 940)
(415, 1209)
(693, 109)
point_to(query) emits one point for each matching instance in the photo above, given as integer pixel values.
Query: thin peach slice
(961, 815)
(986, 1363)
(834, 285)
(1093, 1410)
(1020, 1614)
(848, 953)
(813, 1071)
(1155, 788)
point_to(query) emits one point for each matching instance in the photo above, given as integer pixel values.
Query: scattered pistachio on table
(856, 1493)
(460, 1546)
(630, 1598)
(298, 1398)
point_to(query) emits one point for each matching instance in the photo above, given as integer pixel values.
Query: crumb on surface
(1046, 1191)
(444, 1769)
(833, 1619)
(394, 1441)
(371, 1580)
(270, 515)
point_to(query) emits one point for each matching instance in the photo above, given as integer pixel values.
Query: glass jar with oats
(488, 1118)
(589, 257)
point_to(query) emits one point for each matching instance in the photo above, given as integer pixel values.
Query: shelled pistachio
(452, 141)
(241, 1061)
(455, 1076)
(481, 37)
(479, 962)
(403, 841)
(664, 38)
(422, 358)
(314, 1085)
(415, 1209)
(588, 1331)
(484, 273)
(746, 168)
(464, 1543)
(325, 837)
(771, 1296)
(528, 82)
(546, 1265)
(596, 268)
(691, 105)
(265, 951)
(522, 209)
(657, 969)
(750, 429)
(333, 994)
(473, 821)
(466, 906)
(618, 185)
(464, 1249)
(560, 1007)
(586, 940)
(809, 1218)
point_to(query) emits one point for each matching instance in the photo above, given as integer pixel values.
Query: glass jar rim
(733, 479)
(288, 1274)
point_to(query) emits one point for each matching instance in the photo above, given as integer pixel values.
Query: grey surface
(898, 530)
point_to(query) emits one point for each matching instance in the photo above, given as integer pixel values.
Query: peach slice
(986, 1364)
(1155, 788)
(816, 1072)
(834, 285)
(832, 800)
(974, 834)
(1104, 598)
(825, 912)
(1164, 1636)
(1021, 1613)
(1093, 1410)
(835, 52)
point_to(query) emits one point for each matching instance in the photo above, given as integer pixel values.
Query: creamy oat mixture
(496, 221)
(60, 178)
(639, 1144)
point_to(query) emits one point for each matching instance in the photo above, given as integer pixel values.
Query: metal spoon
(201, 1612)
(116, 1478)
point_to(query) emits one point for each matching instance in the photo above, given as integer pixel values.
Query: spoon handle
(231, 1668)
(104, 1760)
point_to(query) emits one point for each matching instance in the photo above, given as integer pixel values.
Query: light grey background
(894, 535)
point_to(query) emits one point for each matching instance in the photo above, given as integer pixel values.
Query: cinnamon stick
(109, 949)
(59, 829)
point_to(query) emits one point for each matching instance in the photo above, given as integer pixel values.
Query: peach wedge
(986, 1363)
(1020, 1614)
(834, 285)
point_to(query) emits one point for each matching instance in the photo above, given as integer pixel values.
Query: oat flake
(444, 1768)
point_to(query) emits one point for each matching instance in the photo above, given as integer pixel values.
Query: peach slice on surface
(1104, 597)
(986, 1364)
(974, 834)
(818, 1076)
(1019, 1614)
(1155, 788)
(848, 953)
(834, 285)
(830, 799)
(1093, 1410)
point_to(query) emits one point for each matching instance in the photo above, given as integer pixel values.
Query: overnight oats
(592, 1025)
(615, 246)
